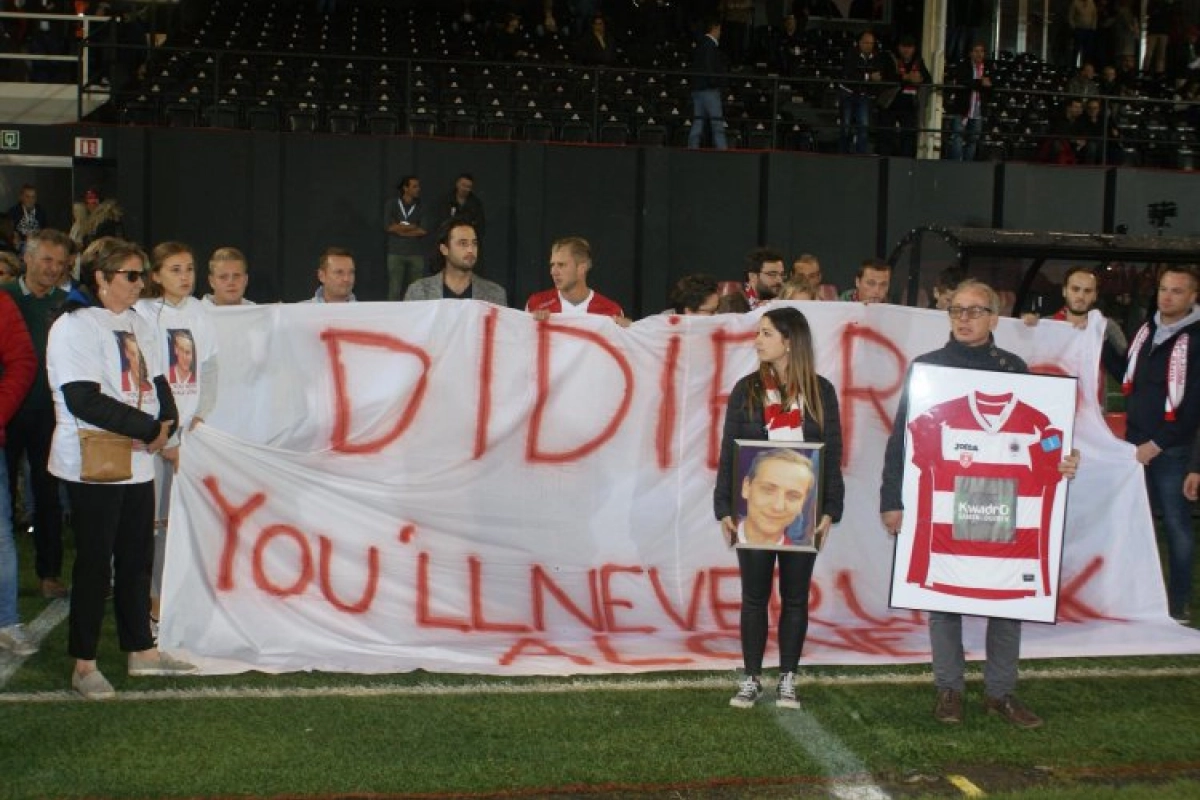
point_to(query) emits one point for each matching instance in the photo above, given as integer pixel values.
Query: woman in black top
(785, 400)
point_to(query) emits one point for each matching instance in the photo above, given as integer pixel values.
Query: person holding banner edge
(784, 399)
(974, 313)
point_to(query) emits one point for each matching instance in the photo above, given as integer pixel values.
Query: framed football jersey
(984, 502)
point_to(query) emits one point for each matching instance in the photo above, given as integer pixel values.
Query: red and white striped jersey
(988, 476)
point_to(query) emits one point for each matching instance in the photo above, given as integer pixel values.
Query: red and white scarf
(782, 424)
(1176, 369)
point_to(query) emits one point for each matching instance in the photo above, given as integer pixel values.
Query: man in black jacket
(708, 65)
(965, 105)
(864, 73)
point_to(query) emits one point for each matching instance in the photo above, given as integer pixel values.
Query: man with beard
(765, 274)
(1080, 291)
(458, 243)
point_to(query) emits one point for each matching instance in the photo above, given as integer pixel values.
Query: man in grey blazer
(459, 246)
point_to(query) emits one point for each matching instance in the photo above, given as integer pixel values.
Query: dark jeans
(1164, 482)
(29, 433)
(757, 569)
(114, 524)
(856, 122)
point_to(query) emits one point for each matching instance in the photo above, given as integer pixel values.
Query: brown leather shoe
(1012, 710)
(53, 589)
(949, 708)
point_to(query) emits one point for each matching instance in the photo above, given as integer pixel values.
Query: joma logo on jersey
(974, 448)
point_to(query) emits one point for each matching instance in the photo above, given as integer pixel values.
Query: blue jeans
(706, 105)
(8, 552)
(1164, 483)
(964, 135)
(856, 121)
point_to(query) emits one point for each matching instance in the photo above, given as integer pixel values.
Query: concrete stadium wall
(652, 215)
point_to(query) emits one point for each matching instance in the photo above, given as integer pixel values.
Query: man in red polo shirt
(570, 262)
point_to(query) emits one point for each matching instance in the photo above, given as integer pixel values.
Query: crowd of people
(107, 367)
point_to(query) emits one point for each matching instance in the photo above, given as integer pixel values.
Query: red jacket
(549, 300)
(18, 362)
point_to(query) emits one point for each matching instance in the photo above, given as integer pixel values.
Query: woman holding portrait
(783, 400)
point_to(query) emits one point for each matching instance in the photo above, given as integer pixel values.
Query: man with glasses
(764, 276)
(974, 313)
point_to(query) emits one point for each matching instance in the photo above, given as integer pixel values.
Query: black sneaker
(749, 690)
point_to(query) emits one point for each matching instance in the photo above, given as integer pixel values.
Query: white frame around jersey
(963, 582)
(801, 532)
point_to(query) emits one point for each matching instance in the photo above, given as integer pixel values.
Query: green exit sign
(10, 140)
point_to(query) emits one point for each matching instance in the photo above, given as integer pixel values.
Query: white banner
(455, 487)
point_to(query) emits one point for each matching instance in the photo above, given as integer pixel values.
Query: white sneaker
(158, 663)
(18, 640)
(749, 690)
(785, 692)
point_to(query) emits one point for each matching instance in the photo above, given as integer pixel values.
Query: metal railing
(85, 20)
(776, 108)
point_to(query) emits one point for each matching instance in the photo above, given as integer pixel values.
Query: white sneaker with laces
(749, 690)
(16, 639)
(785, 692)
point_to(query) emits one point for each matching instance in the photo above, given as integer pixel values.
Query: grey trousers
(403, 271)
(1003, 650)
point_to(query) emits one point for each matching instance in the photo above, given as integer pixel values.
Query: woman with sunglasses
(91, 348)
(783, 400)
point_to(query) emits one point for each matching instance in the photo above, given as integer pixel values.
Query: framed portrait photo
(984, 502)
(776, 493)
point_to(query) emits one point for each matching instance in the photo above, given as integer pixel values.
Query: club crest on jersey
(965, 458)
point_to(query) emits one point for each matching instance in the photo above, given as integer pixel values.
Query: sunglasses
(131, 275)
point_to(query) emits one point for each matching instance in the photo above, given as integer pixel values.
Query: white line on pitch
(542, 686)
(849, 778)
(53, 614)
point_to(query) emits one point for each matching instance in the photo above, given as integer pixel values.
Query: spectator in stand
(764, 275)
(1126, 28)
(1083, 18)
(27, 217)
(905, 110)
(696, 295)
(1158, 32)
(103, 218)
(864, 72)
(1102, 136)
(808, 268)
(966, 105)
(1065, 143)
(733, 303)
(10, 268)
(1083, 83)
(187, 346)
(788, 46)
(404, 221)
(458, 244)
(737, 17)
(508, 42)
(461, 204)
(709, 67)
(943, 288)
(31, 428)
(1128, 78)
(798, 289)
(1108, 84)
(570, 264)
(228, 276)
(18, 364)
(871, 283)
(335, 273)
(113, 518)
(596, 45)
